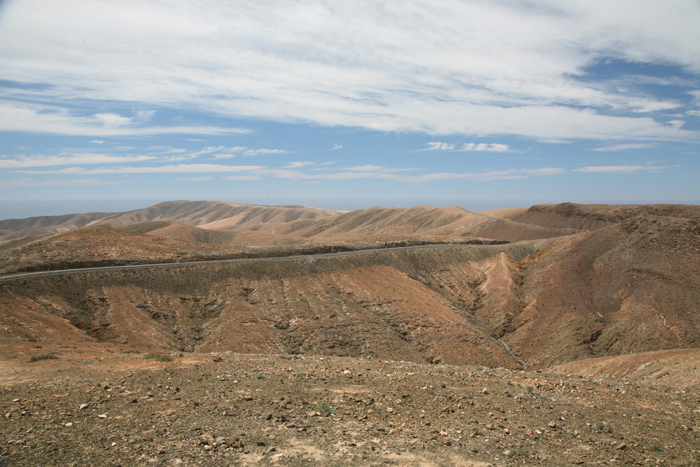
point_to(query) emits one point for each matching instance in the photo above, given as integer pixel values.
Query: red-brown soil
(101, 406)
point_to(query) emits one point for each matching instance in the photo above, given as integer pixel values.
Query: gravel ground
(233, 409)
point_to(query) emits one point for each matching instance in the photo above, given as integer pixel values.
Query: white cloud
(75, 159)
(437, 146)
(624, 147)
(94, 141)
(223, 152)
(336, 146)
(28, 182)
(694, 113)
(483, 147)
(55, 120)
(178, 168)
(470, 67)
(398, 175)
(144, 115)
(195, 179)
(296, 165)
(620, 169)
(242, 178)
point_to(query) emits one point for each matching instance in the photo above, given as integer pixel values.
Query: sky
(109, 106)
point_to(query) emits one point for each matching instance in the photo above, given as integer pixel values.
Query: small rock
(83, 406)
(485, 391)
(69, 424)
(552, 425)
(102, 415)
(621, 447)
(217, 359)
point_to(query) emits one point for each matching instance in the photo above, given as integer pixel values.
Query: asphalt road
(28, 275)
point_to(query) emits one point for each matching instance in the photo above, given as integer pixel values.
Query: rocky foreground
(143, 408)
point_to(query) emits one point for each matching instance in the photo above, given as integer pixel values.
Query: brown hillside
(631, 287)
(204, 214)
(101, 246)
(626, 288)
(380, 304)
(595, 216)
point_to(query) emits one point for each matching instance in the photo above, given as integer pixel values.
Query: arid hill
(216, 215)
(622, 280)
(287, 224)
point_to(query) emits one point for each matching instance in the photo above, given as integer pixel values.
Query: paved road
(15, 277)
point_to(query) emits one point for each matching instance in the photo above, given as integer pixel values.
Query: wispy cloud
(438, 146)
(55, 120)
(223, 152)
(195, 179)
(400, 175)
(28, 182)
(296, 165)
(178, 168)
(243, 178)
(476, 68)
(336, 146)
(77, 159)
(483, 147)
(620, 169)
(627, 146)
(95, 141)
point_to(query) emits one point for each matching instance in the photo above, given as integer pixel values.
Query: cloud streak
(55, 120)
(620, 169)
(473, 68)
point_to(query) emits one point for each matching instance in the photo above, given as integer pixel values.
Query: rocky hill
(215, 215)
(623, 280)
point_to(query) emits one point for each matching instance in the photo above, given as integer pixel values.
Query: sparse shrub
(530, 389)
(46, 356)
(597, 383)
(260, 376)
(602, 426)
(655, 448)
(130, 351)
(439, 372)
(324, 409)
(159, 357)
(31, 339)
(516, 452)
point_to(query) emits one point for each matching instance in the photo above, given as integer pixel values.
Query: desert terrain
(551, 335)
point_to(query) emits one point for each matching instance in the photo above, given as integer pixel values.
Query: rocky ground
(107, 405)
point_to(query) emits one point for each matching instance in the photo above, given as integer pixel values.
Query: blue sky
(344, 105)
